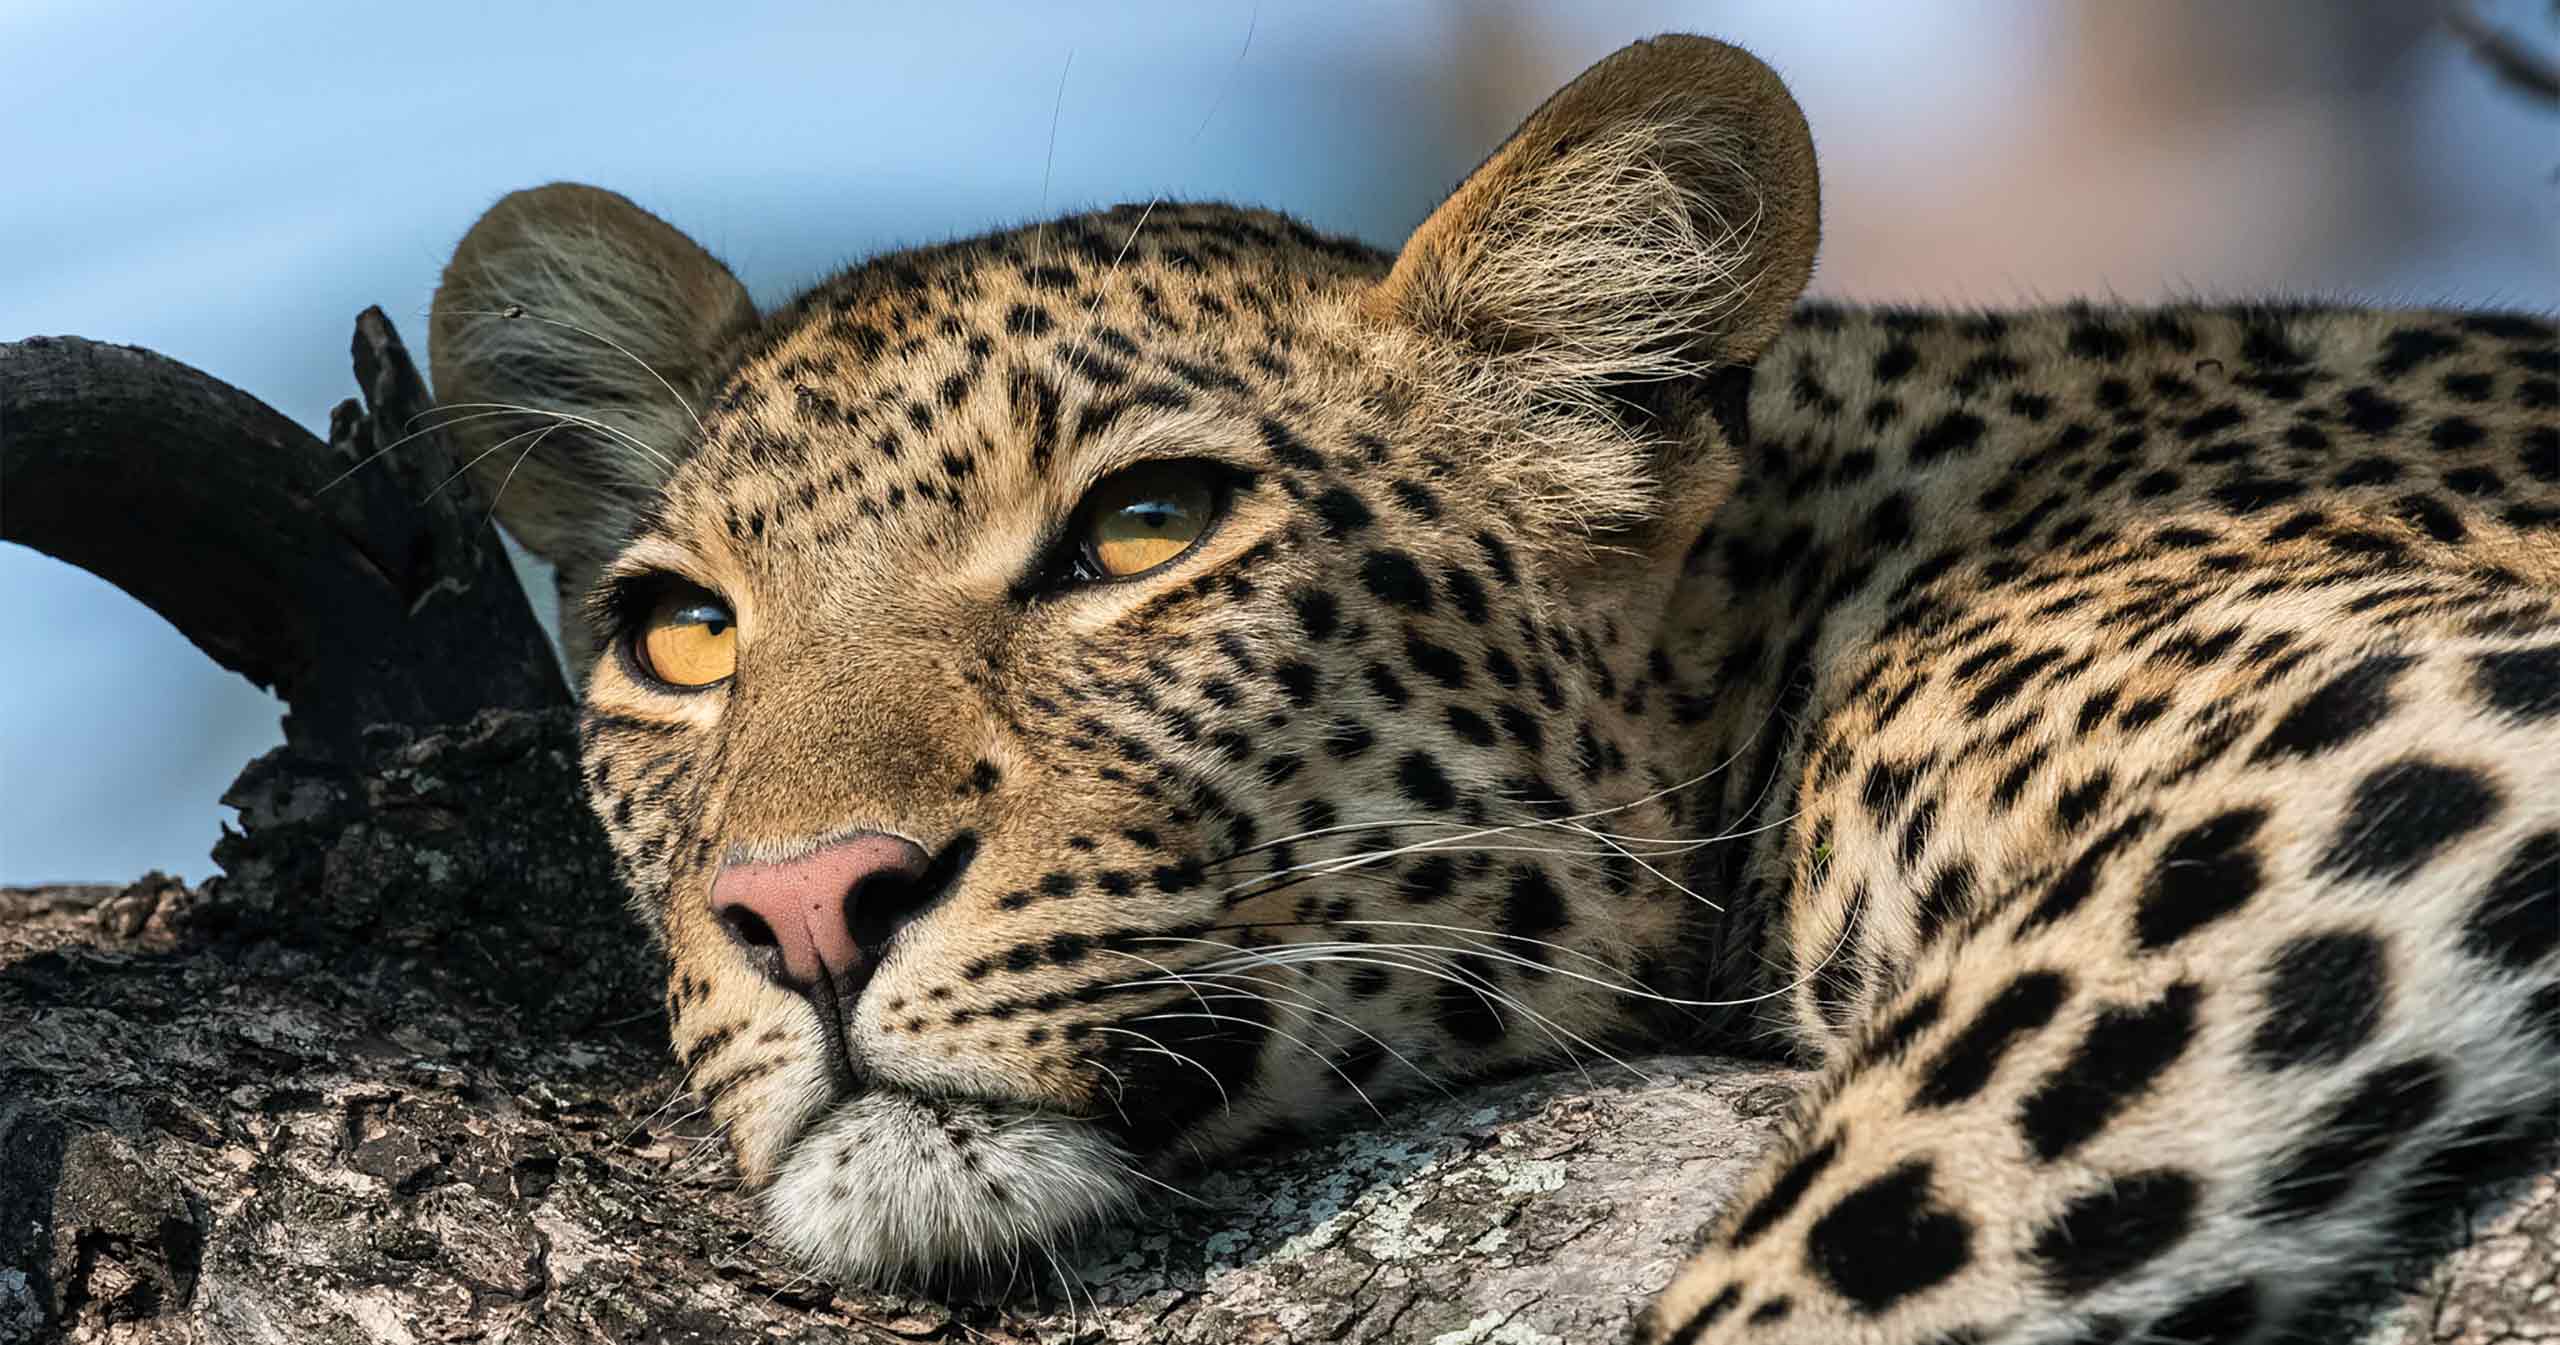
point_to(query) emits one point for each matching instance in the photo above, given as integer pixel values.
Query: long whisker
(518, 313)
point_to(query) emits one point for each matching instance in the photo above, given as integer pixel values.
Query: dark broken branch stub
(359, 579)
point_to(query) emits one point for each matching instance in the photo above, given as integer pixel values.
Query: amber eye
(1146, 516)
(690, 639)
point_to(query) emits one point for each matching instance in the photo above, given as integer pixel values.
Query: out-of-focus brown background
(229, 184)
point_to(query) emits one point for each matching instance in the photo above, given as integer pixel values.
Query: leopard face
(1080, 700)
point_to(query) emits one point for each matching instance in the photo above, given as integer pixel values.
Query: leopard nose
(826, 916)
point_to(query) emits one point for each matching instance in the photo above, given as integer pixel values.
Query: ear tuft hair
(573, 335)
(1654, 219)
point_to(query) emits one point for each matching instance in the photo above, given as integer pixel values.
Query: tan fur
(1597, 646)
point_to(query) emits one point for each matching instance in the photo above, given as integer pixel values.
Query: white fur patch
(892, 1189)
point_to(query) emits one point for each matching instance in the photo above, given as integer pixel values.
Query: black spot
(1344, 739)
(1888, 784)
(1886, 1241)
(2207, 872)
(2476, 482)
(2208, 423)
(1708, 1314)
(2116, 1229)
(1522, 726)
(1897, 359)
(2429, 515)
(1416, 498)
(2387, 1106)
(2090, 340)
(1436, 662)
(1965, 1064)
(1468, 1013)
(2126, 1049)
(1425, 783)
(2324, 998)
(1897, 1036)
(2010, 682)
(1467, 592)
(1390, 688)
(2223, 1316)
(1954, 432)
(1428, 880)
(1532, 906)
(1287, 449)
(2249, 494)
(2454, 433)
(1297, 681)
(1471, 726)
(2524, 683)
(2517, 922)
(1949, 895)
(1394, 577)
(2073, 808)
(2143, 711)
(2367, 410)
(1319, 613)
(2075, 884)
(2336, 714)
(1342, 512)
(2403, 813)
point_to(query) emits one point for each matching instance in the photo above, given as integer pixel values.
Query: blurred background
(228, 184)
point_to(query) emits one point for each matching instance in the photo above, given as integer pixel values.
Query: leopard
(1090, 699)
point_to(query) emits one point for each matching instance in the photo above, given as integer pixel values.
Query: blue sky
(228, 184)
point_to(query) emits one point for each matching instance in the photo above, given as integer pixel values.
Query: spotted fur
(2120, 747)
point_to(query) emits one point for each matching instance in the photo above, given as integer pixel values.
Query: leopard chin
(955, 1196)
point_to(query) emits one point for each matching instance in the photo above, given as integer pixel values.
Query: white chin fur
(897, 1190)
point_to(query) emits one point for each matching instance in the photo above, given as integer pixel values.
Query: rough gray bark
(399, 1074)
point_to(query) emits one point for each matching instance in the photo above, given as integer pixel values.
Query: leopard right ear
(573, 335)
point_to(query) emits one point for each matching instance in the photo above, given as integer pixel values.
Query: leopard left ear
(1656, 218)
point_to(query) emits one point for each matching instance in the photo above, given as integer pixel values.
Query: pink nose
(826, 914)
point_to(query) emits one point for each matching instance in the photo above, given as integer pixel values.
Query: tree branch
(339, 574)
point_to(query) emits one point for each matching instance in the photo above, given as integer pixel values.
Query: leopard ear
(572, 337)
(1654, 219)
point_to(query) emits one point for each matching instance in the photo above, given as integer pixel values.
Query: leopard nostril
(820, 923)
(749, 928)
(884, 903)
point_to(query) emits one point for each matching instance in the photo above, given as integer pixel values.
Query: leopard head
(1077, 700)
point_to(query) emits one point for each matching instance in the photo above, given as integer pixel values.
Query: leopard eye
(1145, 517)
(690, 639)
